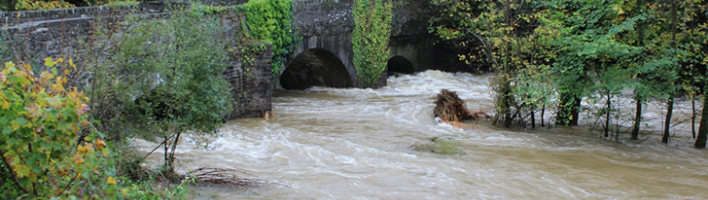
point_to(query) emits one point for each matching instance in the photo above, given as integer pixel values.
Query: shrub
(372, 30)
(162, 77)
(39, 5)
(272, 21)
(48, 149)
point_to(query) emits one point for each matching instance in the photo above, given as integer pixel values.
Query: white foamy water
(357, 144)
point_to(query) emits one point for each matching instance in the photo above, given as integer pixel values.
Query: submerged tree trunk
(533, 119)
(172, 151)
(693, 116)
(569, 110)
(667, 121)
(703, 128)
(637, 117)
(503, 102)
(607, 114)
(670, 106)
(638, 98)
(543, 112)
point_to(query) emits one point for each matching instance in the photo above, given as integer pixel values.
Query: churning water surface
(330, 143)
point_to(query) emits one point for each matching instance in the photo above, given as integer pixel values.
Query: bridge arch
(315, 67)
(399, 65)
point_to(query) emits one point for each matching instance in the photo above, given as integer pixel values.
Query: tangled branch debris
(218, 176)
(449, 108)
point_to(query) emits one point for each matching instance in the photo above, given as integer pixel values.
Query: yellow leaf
(9, 64)
(4, 104)
(77, 159)
(71, 63)
(49, 62)
(28, 67)
(100, 144)
(21, 171)
(111, 180)
(14, 125)
(57, 88)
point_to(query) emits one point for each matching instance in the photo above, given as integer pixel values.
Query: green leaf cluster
(272, 21)
(372, 30)
(19, 5)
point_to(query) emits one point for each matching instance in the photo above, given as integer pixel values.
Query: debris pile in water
(218, 176)
(449, 108)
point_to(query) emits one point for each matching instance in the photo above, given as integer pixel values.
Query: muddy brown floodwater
(357, 144)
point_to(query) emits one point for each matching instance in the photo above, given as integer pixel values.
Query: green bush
(372, 30)
(40, 122)
(272, 21)
(163, 77)
(49, 148)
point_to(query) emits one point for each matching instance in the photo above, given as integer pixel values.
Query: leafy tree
(507, 37)
(162, 78)
(372, 30)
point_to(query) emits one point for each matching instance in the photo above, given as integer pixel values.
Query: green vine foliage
(372, 30)
(272, 21)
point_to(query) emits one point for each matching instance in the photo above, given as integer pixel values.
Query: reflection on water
(356, 144)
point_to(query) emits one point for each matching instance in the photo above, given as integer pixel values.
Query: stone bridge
(322, 58)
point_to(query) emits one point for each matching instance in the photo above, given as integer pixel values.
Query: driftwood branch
(218, 176)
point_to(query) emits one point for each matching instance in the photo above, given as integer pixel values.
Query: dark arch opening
(315, 67)
(399, 65)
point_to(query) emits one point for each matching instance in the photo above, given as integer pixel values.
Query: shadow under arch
(399, 65)
(315, 67)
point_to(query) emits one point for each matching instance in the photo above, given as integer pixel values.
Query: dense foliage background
(18, 5)
(554, 54)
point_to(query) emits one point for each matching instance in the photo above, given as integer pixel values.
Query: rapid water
(357, 144)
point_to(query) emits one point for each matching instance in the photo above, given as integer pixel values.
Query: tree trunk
(670, 106)
(543, 112)
(171, 160)
(607, 114)
(503, 103)
(693, 116)
(533, 120)
(569, 110)
(166, 151)
(638, 98)
(703, 129)
(667, 121)
(637, 117)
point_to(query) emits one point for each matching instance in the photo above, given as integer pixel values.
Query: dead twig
(219, 176)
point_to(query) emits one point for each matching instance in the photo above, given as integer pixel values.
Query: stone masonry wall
(63, 32)
(251, 82)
